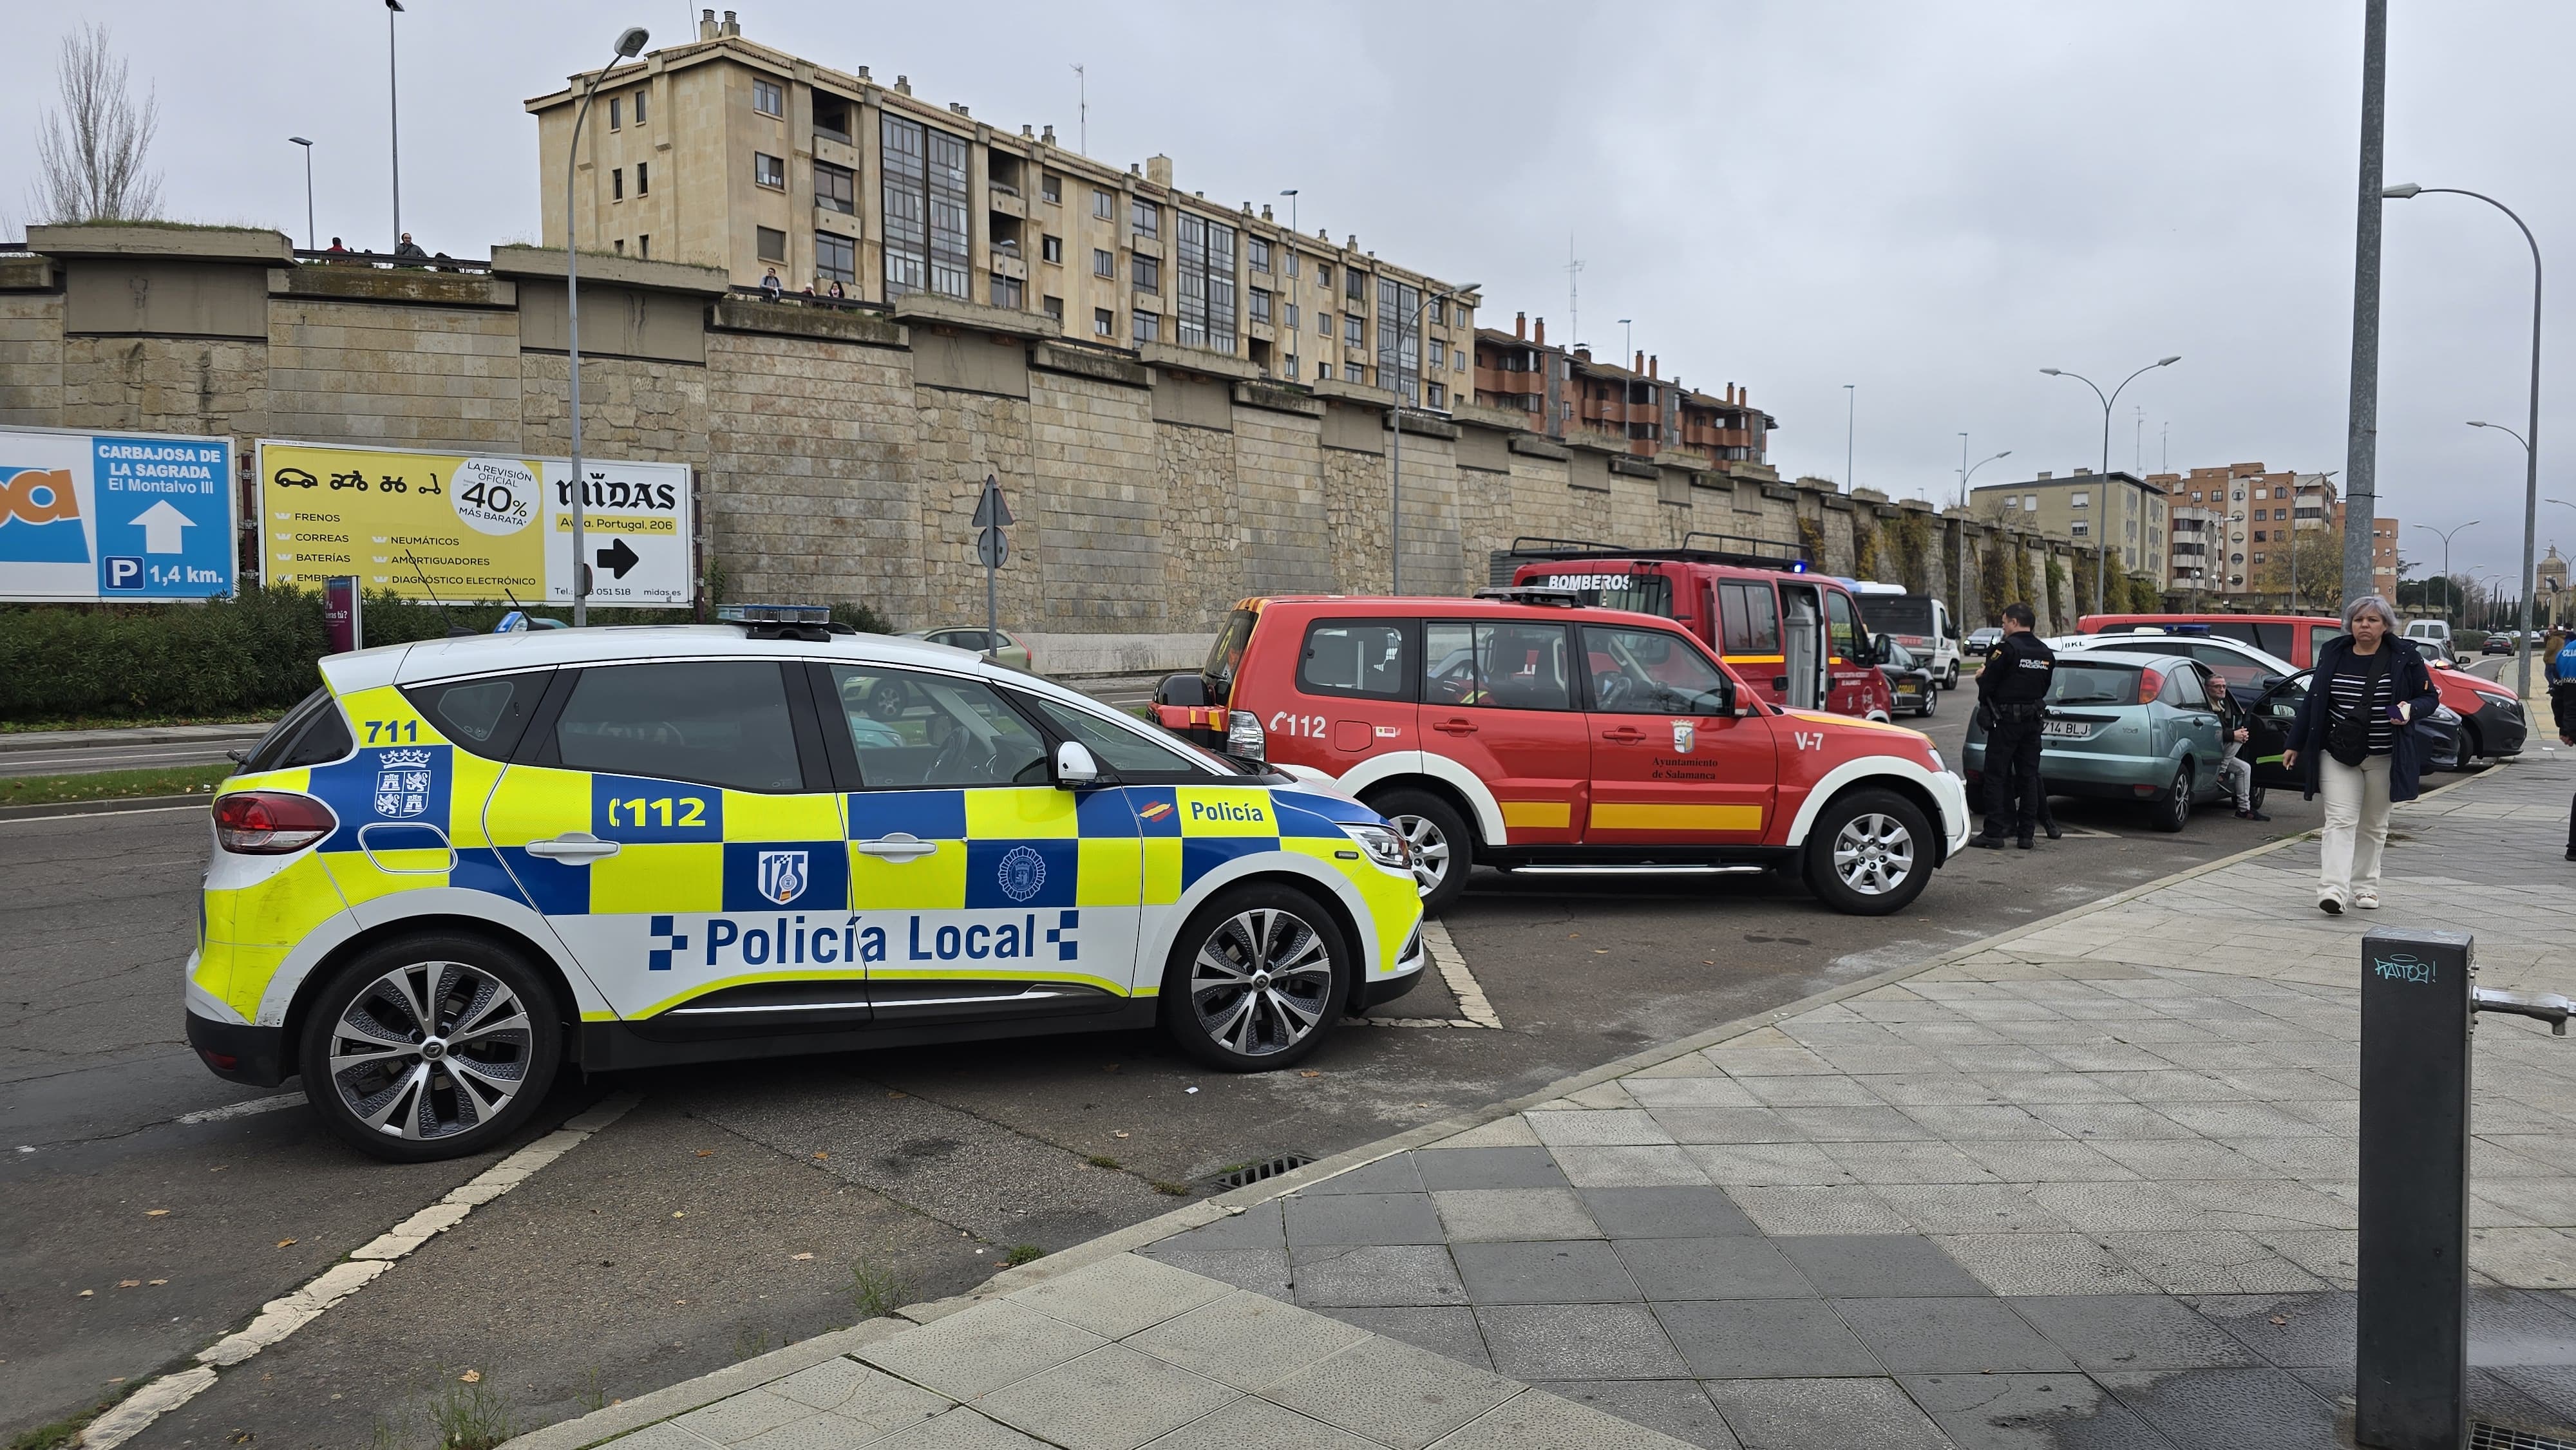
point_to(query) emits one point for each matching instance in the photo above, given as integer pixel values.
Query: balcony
(1004, 199)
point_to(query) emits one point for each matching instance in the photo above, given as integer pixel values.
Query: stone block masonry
(839, 451)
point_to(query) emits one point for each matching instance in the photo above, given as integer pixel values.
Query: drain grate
(1286, 1163)
(2485, 1436)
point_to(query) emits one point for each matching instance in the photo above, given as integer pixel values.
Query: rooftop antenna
(453, 629)
(1082, 95)
(1573, 313)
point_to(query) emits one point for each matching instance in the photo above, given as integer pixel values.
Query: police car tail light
(2150, 684)
(270, 822)
(1243, 736)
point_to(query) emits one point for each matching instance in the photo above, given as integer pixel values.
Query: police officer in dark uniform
(2009, 691)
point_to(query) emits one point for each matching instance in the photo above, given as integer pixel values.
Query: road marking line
(200, 806)
(281, 1317)
(1474, 1009)
(243, 1110)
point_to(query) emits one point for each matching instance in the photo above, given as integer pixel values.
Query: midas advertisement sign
(472, 527)
(114, 516)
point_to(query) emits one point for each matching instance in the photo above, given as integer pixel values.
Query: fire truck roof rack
(1731, 549)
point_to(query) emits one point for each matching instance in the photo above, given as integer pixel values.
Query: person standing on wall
(2010, 692)
(2354, 733)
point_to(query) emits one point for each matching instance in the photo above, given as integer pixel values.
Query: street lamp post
(309, 241)
(1967, 471)
(1395, 421)
(2530, 435)
(2446, 560)
(393, 114)
(630, 43)
(2102, 559)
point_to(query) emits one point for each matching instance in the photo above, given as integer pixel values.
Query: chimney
(1265, 211)
(2044, 475)
(706, 25)
(1520, 325)
(1651, 363)
(903, 85)
(2082, 472)
(863, 75)
(1353, 244)
(1583, 353)
(957, 106)
(1638, 365)
(1158, 170)
(731, 26)
(1538, 332)
(1026, 134)
(1048, 135)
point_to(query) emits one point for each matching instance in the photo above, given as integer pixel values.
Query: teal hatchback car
(2126, 727)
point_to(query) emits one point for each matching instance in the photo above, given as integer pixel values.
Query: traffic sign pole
(992, 511)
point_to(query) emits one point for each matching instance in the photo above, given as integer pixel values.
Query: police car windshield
(2087, 683)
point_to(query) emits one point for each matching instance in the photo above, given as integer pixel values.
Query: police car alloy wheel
(432, 1047)
(1868, 853)
(1443, 849)
(1257, 979)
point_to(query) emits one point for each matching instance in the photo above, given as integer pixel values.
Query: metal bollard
(2419, 995)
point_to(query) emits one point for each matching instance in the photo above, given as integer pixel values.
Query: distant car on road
(1005, 647)
(1981, 642)
(2498, 644)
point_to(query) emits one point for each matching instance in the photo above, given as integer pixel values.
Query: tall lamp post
(2102, 560)
(1395, 420)
(1967, 471)
(2530, 436)
(309, 242)
(2446, 561)
(630, 43)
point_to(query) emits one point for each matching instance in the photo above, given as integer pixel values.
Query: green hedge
(226, 657)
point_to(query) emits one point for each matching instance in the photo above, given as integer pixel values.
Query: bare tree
(91, 149)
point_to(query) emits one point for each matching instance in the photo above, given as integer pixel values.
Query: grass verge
(132, 722)
(102, 785)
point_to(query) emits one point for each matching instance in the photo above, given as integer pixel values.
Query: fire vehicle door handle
(1624, 735)
(579, 847)
(1455, 727)
(898, 847)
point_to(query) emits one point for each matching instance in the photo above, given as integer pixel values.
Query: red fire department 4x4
(1525, 730)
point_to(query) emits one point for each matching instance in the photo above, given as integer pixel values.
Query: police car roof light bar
(811, 623)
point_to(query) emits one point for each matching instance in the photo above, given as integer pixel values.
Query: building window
(2030, 503)
(768, 98)
(2258, 556)
(1289, 319)
(1149, 327)
(613, 114)
(1324, 275)
(2012, 505)
(836, 188)
(1146, 273)
(1399, 340)
(1103, 205)
(643, 178)
(1440, 314)
(644, 245)
(2080, 500)
(1439, 352)
(1146, 217)
(1354, 329)
(1256, 254)
(1051, 189)
(1354, 373)
(1436, 396)
(639, 108)
(1007, 292)
(1324, 323)
(1207, 284)
(617, 183)
(1292, 266)
(1260, 306)
(836, 257)
(1054, 308)
(831, 118)
(1103, 264)
(925, 209)
(1323, 372)
(1355, 285)
(768, 170)
(770, 243)
(2079, 528)
(618, 246)
(1290, 371)
(1051, 249)
(1104, 323)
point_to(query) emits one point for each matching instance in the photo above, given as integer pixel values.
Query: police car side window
(270, 753)
(485, 716)
(325, 738)
(913, 730)
(710, 722)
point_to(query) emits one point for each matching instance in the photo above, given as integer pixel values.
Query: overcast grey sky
(1930, 201)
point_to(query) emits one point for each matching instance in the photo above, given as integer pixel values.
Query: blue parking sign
(164, 517)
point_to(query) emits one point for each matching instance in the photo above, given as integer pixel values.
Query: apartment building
(723, 152)
(2236, 517)
(1567, 393)
(2116, 509)
(2383, 557)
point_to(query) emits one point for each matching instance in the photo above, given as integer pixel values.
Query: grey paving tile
(739, 1417)
(2116, 1207)
(2043, 1263)
(1814, 1414)
(1677, 1407)
(1633, 1167)
(2538, 1396)
(1879, 1124)
(1122, 1294)
(1844, 1210)
(2546, 1202)
(1497, 1214)
(1263, 1271)
(1770, 1165)
(1254, 1424)
(1362, 1218)
(1907, 1163)
(1392, 1393)
(2123, 1120)
(2266, 1203)
(2180, 1085)
(1725, 1125)
(856, 1391)
(2519, 1327)
(1905, 1089)
(2030, 1412)
(1257, 1227)
(2105, 1057)
(1601, 1128)
(1492, 1167)
(1989, 1061)
(1947, 1208)
(1578, 1341)
(2132, 1331)
(1809, 1091)
(1114, 1398)
(2024, 1161)
(2058, 1089)
(2227, 1120)
(1578, 1272)
(1878, 1266)
(1376, 1275)
(1537, 1420)
(1960, 1122)
(2260, 1406)
(959, 1429)
(1247, 1340)
(1392, 1174)
(1763, 1338)
(2215, 1261)
(1689, 1092)
(2172, 1160)
(979, 1350)
(1950, 1336)
(1736, 1267)
(1451, 1332)
(664, 1436)
(1665, 1212)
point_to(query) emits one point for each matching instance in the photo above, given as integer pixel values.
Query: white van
(1920, 622)
(2432, 636)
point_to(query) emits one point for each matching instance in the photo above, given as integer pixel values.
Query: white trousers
(2356, 826)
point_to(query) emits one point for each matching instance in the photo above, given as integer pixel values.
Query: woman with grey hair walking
(2354, 733)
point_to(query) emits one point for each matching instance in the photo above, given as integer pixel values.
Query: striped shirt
(2343, 692)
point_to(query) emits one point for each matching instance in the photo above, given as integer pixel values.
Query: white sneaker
(2366, 899)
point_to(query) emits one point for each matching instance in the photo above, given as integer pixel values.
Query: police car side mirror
(1074, 767)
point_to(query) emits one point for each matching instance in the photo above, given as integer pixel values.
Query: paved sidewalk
(2091, 1184)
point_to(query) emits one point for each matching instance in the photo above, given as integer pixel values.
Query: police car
(464, 863)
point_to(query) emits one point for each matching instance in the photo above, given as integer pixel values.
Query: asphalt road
(742, 1207)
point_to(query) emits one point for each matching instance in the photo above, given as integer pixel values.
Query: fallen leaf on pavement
(800, 1256)
(680, 1214)
(472, 1377)
(87, 1293)
(286, 1243)
(898, 1095)
(706, 1152)
(160, 1281)
(129, 1283)
(1121, 1133)
(156, 1213)
(1310, 1073)
(2280, 1318)
(822, 1155)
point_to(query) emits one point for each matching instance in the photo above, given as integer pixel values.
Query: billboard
(473, 528)
(110, 517)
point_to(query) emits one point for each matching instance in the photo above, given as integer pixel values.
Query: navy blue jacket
(2413, 688)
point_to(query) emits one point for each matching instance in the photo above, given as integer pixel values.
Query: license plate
(2069, 729)
(1909, 689)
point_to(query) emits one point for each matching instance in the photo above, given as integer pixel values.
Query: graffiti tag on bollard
(2402, 968)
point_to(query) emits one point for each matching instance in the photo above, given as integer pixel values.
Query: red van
(1526, 730)
(1795, 637)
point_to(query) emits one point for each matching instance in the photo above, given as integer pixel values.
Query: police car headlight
(1383, 845)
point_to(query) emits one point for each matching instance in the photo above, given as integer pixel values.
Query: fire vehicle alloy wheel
(1430, 850)
(1262, 981)
(1874, 854)
(431, 1050)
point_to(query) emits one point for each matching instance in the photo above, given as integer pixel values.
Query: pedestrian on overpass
(2354, 731)
(2010, 692)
